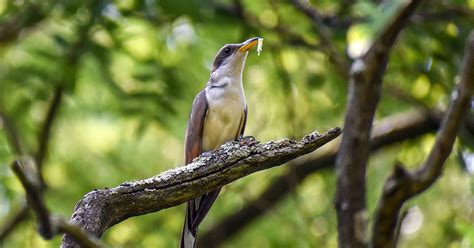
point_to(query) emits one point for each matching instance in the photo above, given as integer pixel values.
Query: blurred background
(98, 93)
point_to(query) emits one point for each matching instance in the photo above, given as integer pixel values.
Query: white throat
(226, 99)
(230, 73)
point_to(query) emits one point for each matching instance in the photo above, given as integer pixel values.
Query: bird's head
(230, 60)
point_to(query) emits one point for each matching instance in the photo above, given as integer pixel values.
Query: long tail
(188, 236)
(196, 210)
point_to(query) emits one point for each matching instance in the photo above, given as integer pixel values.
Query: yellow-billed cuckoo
(218, 115)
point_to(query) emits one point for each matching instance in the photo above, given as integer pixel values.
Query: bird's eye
(227, 51)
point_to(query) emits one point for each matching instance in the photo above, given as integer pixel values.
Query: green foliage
(129, 71)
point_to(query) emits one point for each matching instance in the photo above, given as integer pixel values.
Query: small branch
(45, 132)
(388, 131)
(15, 142)
(9, 30)
(48, 226)
(101, 209)
(43, 141)
(73, 56)
(403, 185)
(28, 177)
(364, 93)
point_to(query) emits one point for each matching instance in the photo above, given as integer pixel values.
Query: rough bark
(364, 93)
(101, 209)
(402, 184)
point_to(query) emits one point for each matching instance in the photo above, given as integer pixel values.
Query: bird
(218, 115)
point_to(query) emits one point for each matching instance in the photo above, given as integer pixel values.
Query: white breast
(224, 116)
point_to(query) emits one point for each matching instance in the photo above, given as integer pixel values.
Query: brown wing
(195, 128)
(244, 123)
(205, 202)
(192, 149)
(198, 208)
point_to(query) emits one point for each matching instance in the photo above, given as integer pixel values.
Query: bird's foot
(206, 154)
(247, 140)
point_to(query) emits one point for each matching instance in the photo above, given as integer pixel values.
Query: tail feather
(188, 236)
(196, 210)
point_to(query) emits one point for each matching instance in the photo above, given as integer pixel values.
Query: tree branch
(28, 176)
(45, 132)
(351, 162)
(101, 209)
(388, 131)
(48, 226)
(403, 185)
(43, 142)
(73, 56)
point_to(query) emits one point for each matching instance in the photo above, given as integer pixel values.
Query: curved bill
(249, 44)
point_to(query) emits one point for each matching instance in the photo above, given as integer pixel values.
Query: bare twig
(45, 132)
(388, 131)
(43, 142)
(28, 177)
(402, 184)
(364, 93)
(101, 209)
